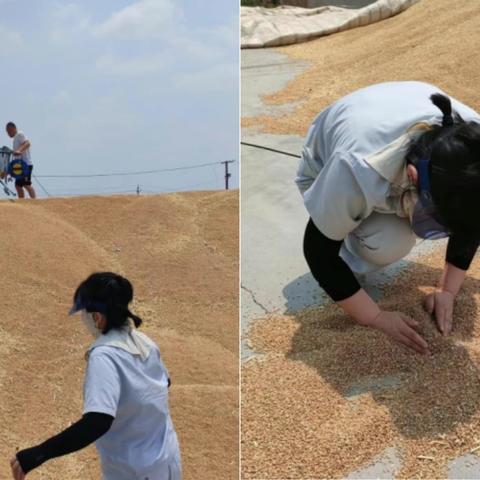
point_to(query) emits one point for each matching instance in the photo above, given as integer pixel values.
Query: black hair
(454, 168)
(113, 292)
(10, 125)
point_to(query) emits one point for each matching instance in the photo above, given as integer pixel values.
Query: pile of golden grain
(413, 45)
(181, 253)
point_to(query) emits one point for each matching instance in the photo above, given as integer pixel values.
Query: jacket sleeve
(79, 435)
(461, 249)
(326, 265)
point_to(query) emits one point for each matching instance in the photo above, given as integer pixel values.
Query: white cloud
(162, 22)
(129, 67)
(68, 20)
(144, 18)
(196, 49)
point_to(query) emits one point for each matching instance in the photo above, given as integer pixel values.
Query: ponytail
(454, 168)
(445, 105)
(137, 321)
(117, 316)
(423, 146)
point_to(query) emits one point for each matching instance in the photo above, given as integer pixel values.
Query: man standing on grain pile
(381, 167)
(21, 150)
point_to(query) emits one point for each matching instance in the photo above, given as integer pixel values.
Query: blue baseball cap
(88, 305)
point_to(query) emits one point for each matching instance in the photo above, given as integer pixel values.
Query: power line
(129, 189)
(42, 187)
(271, 149)
(92, 194)
(189, 186)
(119, 174)
(132, 187)
(92, 191)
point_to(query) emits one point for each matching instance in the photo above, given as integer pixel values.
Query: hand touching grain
(440, 304)
(401, 329)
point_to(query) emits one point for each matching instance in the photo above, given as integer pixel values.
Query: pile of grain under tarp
(328, 396)
(181, 253)
(285, 25)
(435, 41)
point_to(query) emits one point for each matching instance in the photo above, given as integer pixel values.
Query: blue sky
(122, 85)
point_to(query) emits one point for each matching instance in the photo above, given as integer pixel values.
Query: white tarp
(269, 27)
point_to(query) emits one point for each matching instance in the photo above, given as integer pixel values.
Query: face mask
(87, 319)
(424, 224)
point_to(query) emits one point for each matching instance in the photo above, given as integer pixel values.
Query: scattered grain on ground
(300, 418)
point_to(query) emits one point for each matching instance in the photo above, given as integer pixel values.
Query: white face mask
(87, 319)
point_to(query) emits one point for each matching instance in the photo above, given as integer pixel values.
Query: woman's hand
(401, 329)
(16, 469)
(440, 304)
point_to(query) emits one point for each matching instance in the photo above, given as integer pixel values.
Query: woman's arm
(326, 265)
(460, 252)
(461, 249)
(336, 278)
(79, 435)
(452, 279)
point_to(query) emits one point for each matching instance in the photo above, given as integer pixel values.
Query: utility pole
(227, 174)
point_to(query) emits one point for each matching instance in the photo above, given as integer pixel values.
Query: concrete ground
(275, 277)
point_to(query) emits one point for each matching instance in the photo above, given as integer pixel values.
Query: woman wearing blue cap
(381, 167)
(125, 409)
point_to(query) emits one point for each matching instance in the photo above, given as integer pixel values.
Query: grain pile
(181, 253)
(433, 41)
(328, 396)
